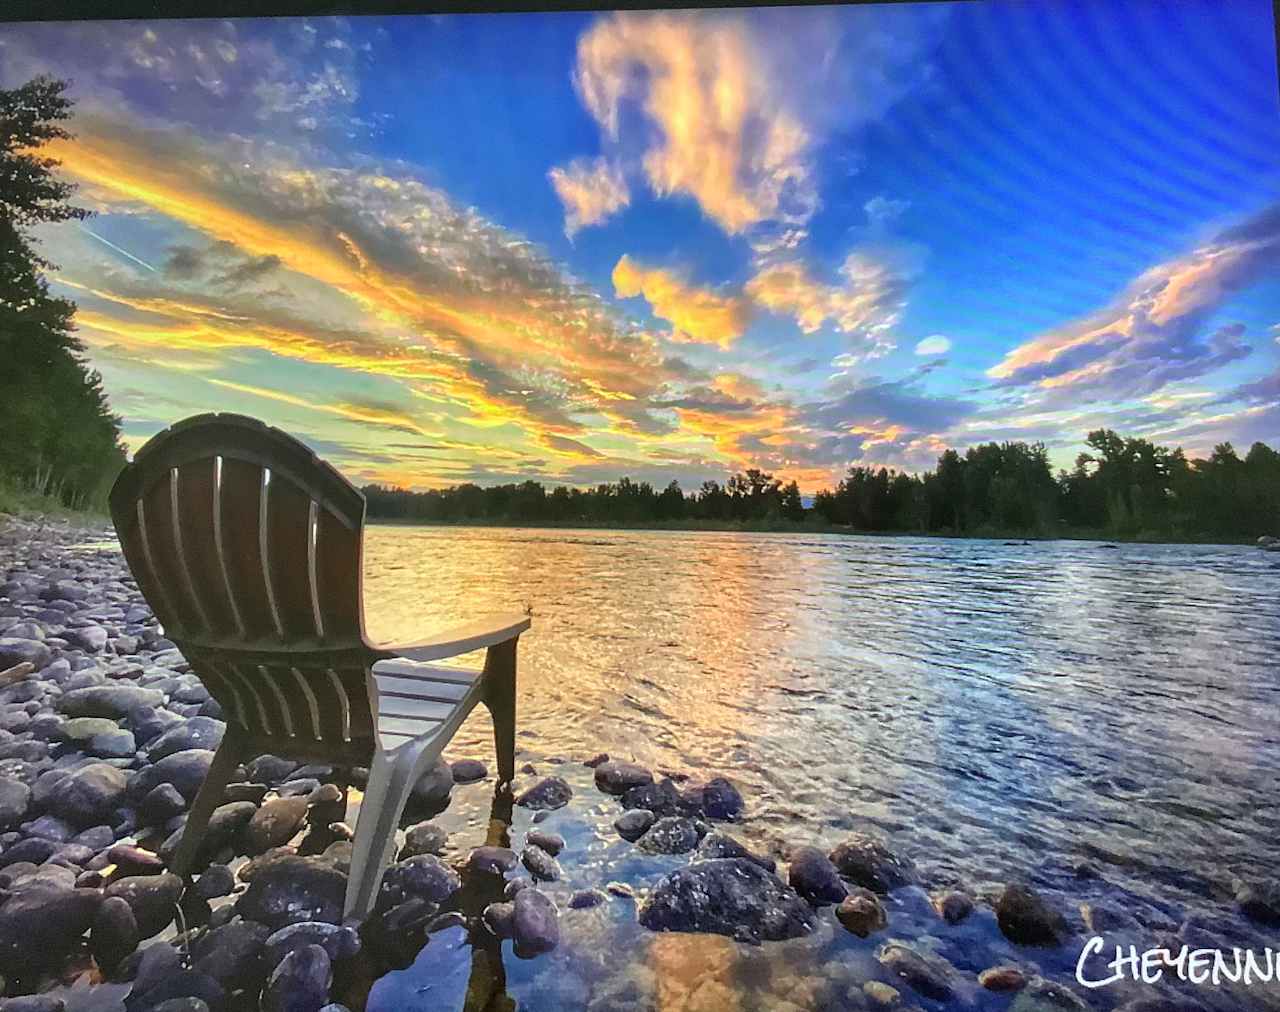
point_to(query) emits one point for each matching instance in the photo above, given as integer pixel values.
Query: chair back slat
(286, 537)
(195, 489)
(248, 549)
(241, 555)
(162, 549)
(336, 551)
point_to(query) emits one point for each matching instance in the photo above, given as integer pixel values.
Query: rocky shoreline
(105, 737)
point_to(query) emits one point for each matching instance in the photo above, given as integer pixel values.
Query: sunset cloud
(695, 314)
(732, 106)
(1154, 333)
(865, 306)
(591, 192)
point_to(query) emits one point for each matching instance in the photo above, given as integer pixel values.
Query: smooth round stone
(634, 824)
(585, 898)
(468, 771)
(552, 843)
(542, 866)
(1003, 978)
(114, 934)
(492, 860)
(300, 983)
(548, 794)
(619, 777)
(152, 897)
(535, 925)
(216, 880)
(671, 835)
(861, 913)
(814, 877)
(339, 941)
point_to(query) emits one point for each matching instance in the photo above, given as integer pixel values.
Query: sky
(675, 244)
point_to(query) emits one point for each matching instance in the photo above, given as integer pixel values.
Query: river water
(995, 710)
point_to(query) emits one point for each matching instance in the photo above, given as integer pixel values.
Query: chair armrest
(461, 639)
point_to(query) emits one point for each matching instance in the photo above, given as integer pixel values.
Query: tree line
(61, 439)
(1119, 487)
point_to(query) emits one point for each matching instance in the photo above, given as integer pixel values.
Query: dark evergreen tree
(61, 438)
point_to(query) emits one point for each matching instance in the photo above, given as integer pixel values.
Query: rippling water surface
(993, 709)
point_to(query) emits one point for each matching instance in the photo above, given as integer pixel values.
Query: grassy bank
(18, 499)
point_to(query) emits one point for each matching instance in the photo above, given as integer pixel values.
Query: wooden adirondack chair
(248, 549)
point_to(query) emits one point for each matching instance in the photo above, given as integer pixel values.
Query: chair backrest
(248, 548)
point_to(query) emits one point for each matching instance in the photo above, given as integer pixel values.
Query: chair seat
(416, 698)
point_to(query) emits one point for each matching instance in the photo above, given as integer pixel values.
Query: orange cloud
(696, 315)
(591, 192)
(725, 135)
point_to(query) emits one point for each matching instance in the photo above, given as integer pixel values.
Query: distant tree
(790, 504)
(61, 437)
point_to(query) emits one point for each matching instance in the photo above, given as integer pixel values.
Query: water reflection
(996, 710)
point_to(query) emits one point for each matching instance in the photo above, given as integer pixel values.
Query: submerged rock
(434, 786)
(662, 798)
(1027, 919)
(862, 913)
(953, 906)
(618, 777)
(500, 918)
(197, 732)
(468, 771)
(542, 866)
(535, 924)
(931, 976)
(1260, 901)
(548, 794)
(670, 835)
(423, 838)
(107, 700)
(552, 843)
(721, 800)
(716, 845)
(727, 896)
(867, 862)
(1042, 995)
(421, 877)
(814, 877)
(492, 860)
(1003, 978)
(634, 824)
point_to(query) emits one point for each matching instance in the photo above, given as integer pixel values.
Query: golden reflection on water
(993, 709)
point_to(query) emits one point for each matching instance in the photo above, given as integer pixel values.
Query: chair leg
(500, 698)
(225, 759)
(391, 779)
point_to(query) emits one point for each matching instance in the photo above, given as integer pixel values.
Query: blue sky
(673, 244)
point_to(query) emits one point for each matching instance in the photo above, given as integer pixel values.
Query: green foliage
(63, 440)
(1125, 488)
(752, 498)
